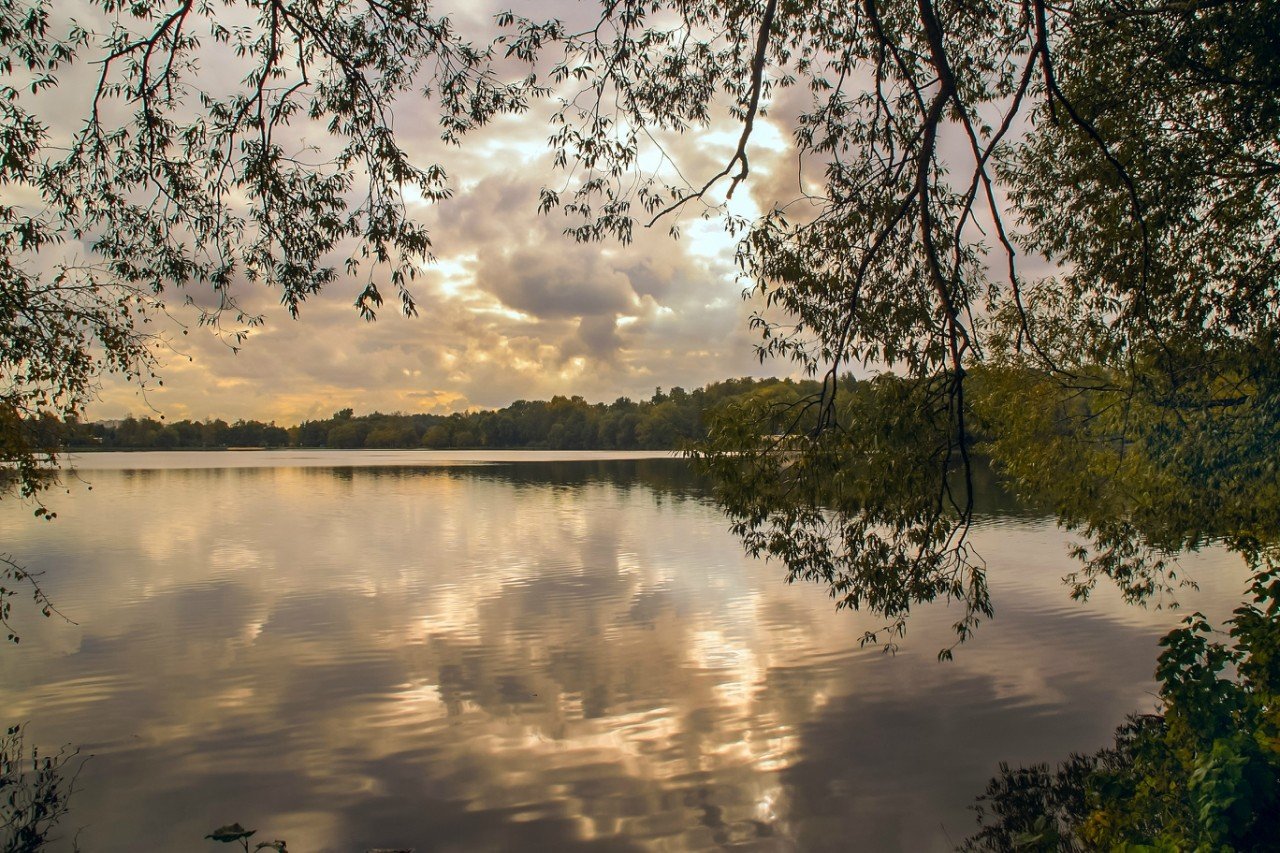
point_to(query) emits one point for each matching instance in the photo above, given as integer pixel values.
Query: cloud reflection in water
(527, 656)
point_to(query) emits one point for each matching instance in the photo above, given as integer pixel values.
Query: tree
(948, 149)
(1204, 774)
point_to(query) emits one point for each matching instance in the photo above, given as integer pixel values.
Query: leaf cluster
(1204, 774)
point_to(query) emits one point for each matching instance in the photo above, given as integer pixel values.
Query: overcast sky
(511, 309)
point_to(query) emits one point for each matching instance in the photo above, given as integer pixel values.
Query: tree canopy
(1054, 225)
(669, 420)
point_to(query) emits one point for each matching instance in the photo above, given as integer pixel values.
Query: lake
(526, 651)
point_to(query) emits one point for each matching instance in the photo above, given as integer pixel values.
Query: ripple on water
(498, 658)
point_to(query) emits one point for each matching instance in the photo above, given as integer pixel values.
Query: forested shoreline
(666, 421)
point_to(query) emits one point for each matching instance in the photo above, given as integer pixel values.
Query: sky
(511, 309)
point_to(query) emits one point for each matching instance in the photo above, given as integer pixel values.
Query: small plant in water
(34, 791)
(234, 832)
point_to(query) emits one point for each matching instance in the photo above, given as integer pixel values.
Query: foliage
(147, 433)
(1202, 775)
(34, 792)
(1136, 143)
(1077, 199)
(666, 421)
(1142, 476)
(1057, 223)
(61, 326)
(15, 577)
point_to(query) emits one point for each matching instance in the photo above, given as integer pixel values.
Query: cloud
(597, 338)
(554, 282)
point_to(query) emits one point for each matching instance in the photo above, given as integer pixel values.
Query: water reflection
(528, 656)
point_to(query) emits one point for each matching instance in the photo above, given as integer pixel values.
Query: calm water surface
(525, 651)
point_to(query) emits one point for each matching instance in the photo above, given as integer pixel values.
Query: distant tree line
(667, 420)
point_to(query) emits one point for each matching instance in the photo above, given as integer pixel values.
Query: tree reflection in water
(551, 659)
(35, 791)
(871, 492)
